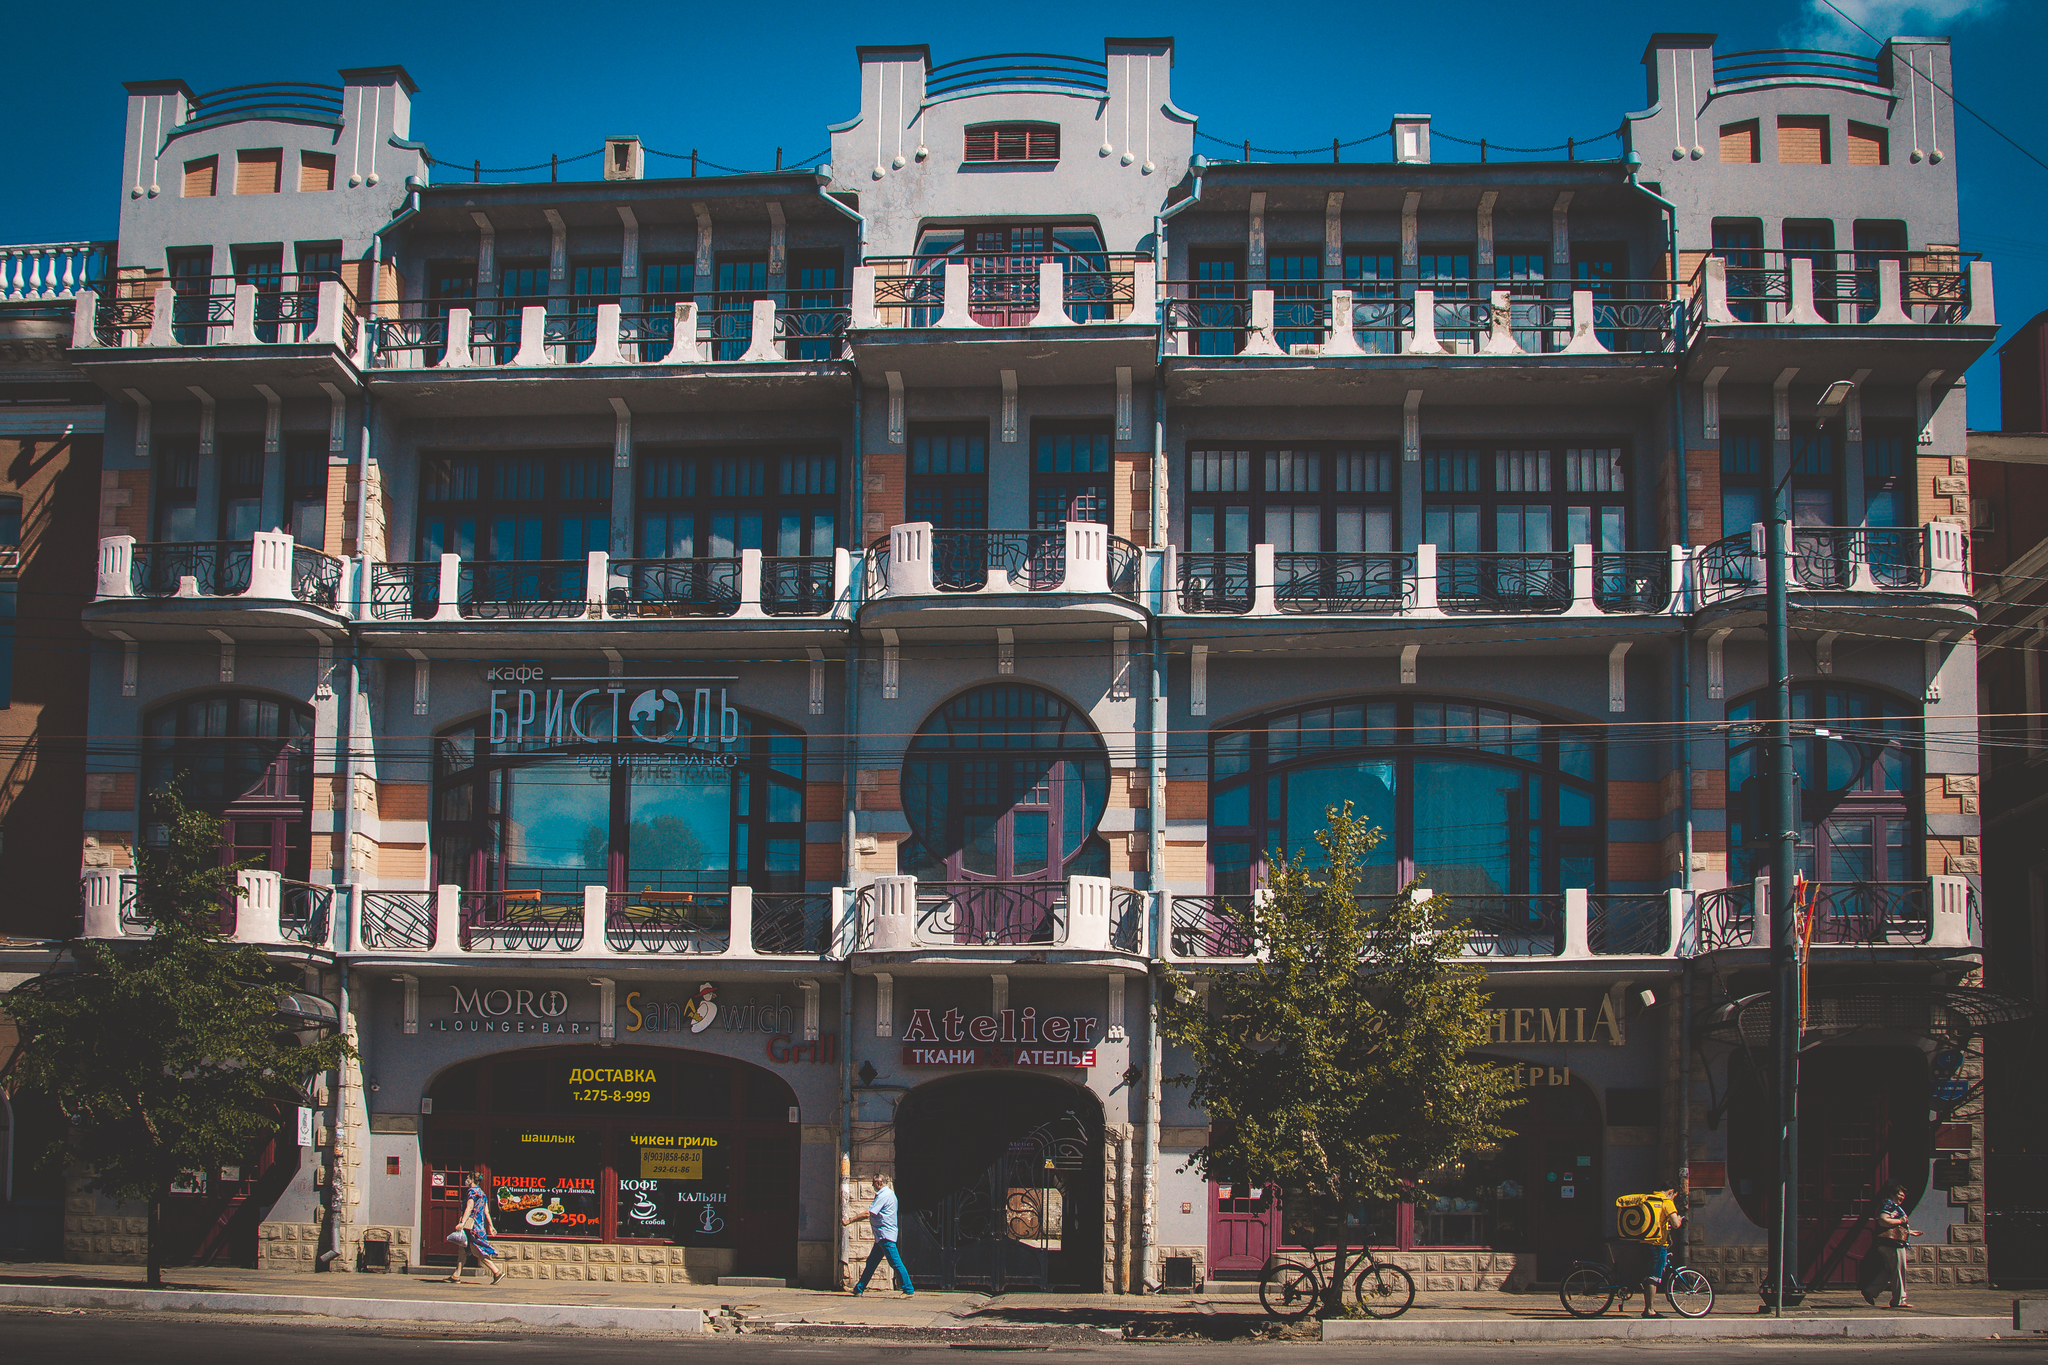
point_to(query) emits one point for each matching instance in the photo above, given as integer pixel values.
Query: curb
(1638, 1329)
(388, 1310)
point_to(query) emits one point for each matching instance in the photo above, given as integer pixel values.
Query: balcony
(1940, 914)
(1353, 341)
(940, 321)
(52, 270)
(1832, 564)
(928, 582)
(790, 343)
(1752, 314)
(291, 333)
(267, 580)
(268, 910)
(1078, 920)
(1519, 932)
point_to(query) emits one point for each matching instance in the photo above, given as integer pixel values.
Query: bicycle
(1290, 1290)
(1591, 1287)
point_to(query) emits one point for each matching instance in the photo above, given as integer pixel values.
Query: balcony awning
(1950, 1014)
(305, 1010)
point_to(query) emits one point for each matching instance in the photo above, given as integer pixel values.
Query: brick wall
(124, 503)
(1703, 497)
(883, 496)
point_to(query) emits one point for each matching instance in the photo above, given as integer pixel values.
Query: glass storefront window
(675, 1187)
(544, 1181)
(1474, 1202)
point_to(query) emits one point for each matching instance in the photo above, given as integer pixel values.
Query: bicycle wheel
(1586, 1292)
(1383, 1291)
(1289, 1292)
(1690, 1293)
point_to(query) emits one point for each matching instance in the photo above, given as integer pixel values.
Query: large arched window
(636, 816)
(1856, 756)
(246, 758)
(1481, 800)
(1005, 782)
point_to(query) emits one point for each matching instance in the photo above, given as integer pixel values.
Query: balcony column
(331, 304)
(1088, 914)
(1422, 336)
(895, 914)
(1760, 912)
(1087, 557)
(256, 911)
(684, 348)
(242, 326)
(455, 352)
(533, 336)
(161, 309)
(270, 567)
(740, 924)
(955, 313)
(1342, 338)
(1800, 311)
(1714, 278)
(1861, 578)
(100, 901)
(1577, 944)
(1948, 910)
(750, 587)
(117, 566)
(910, 560)
(1258, 338)
(1983, 305)
(1948, 564)
(1582, 583)
(451, 589)
(761, 341)
(1585, 340)
(596, 914)
(865, 313)
(604, 348)
(84, 317)
(1425, 581)
(361, 588)
(1052, 296)
(842, 583)
(597, 580)
(1681, 582)
(1265, 582)
(1500, 340)
(1679, 936)
(448, 919)
(1144, 294)
(1891, 308)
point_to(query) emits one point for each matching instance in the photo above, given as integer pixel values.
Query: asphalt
(1220, 1313)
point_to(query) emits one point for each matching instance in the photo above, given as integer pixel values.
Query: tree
(166, 1056)
(1337, 1063)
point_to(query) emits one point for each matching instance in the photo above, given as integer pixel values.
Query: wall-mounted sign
(514, 1010)
(611, 1087)
(618, 711)
(1571, 1024)
(1007, 1026)
(1000, 1056)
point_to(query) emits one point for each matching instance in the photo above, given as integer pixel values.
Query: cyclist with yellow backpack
(1649, 1220)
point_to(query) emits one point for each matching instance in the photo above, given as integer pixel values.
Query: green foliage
(166, 1055)
(1338, 1063)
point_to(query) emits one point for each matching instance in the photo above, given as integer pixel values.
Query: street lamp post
(1784, 835)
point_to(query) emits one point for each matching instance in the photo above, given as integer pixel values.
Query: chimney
(624, 159)
(1411, 139)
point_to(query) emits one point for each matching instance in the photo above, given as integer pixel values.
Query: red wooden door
(767, 1185)
(1844, 1120)
(1243, 1226)
(444, 1175)
(1002, 274)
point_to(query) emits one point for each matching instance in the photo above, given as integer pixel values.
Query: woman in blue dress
(475, 1225)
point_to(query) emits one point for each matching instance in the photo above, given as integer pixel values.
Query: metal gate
(1012, 1198)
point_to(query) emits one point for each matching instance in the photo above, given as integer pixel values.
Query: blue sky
(511, 82)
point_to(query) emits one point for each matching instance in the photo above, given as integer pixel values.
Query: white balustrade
(100, 894)
(57, 270)
(257, 907)
(270, 566)
(1087, 557)
(910, 560)
(447, 919)
(116, 570)
(895, 914)
(1088, 914)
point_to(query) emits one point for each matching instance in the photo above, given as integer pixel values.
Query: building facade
(737, 684)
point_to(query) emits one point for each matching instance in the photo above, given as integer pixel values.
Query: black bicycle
(1291, 1290)
(1594, 1286)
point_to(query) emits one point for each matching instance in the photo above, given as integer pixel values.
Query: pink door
(1242, 1228)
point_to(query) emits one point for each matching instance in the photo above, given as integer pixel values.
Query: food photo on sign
(545, 1181)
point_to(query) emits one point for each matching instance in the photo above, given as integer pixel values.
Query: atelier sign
(1000, 1056)
(1009, 1026)
(1571, 1024)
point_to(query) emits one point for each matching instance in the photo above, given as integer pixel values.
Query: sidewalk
(1221, 1312)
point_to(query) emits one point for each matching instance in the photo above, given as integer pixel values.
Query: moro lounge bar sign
(1006, 1038)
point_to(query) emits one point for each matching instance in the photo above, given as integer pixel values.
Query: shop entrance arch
(1000, 1178)
(651, 1146)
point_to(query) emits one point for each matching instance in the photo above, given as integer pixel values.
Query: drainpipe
(858, 217)
(344, 744)
(1684, 691)
(851, 748)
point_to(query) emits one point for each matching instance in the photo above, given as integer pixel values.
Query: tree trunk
(153, 1239)
(1333, 1295)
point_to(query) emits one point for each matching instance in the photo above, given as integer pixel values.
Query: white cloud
(1820, 27)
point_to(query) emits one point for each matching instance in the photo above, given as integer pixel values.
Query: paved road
(34, 1336)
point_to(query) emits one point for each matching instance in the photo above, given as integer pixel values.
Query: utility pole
(1784, 837)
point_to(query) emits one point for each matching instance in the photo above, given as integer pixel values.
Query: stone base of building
(1744, 1267)
(103, 1239)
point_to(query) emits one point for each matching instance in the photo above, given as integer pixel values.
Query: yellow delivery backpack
(1645, 1217)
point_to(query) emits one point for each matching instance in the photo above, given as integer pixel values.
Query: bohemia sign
(1017, 1037)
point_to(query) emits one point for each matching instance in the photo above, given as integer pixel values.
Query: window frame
(1068, 490)
(676, 481)
(1379, 465)
(952, 489)
(1029, 147)
(486, 509)
(1559, 498)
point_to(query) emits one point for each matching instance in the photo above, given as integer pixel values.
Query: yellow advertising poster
(667, 1163)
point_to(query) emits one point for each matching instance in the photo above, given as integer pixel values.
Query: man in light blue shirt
(881, 1217)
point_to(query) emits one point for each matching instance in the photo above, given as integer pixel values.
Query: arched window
(246, 758)
(1482, 800)
(1857, 784)
(634, 816)
(1005, 782)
